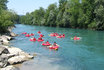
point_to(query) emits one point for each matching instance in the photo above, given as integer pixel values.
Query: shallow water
(85, 54)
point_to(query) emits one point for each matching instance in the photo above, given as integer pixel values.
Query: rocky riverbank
(11, 55)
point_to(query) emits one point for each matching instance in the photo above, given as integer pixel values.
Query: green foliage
(50, 16)
(7, 17)
(69, 13)
(3, 4)
(99, 14)
(38, 16)
(92, 25)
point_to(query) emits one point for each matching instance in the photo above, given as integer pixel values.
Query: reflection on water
(85, 54)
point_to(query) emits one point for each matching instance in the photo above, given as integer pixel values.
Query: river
(85, 54)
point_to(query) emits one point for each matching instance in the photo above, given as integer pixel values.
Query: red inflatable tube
(24, 33)
(27, 35)
(76, 38)
(40, 40)
(41, 35)
(52, 35)
(33, 39)
(46, 44)
(31, 34)
(59, 36)
(39, 32)
(62, 36)
(54, 47)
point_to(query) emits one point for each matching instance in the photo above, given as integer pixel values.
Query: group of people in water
(57, 35)
(51, 46)
(40, 39)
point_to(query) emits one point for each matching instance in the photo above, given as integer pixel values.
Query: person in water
(32, 34)
(34, 38)
(54, 44)
(75, 37)
(39, 32)
(63, 34)
(28, 34)
(41, 35)
(59, 34)
(47, 41)
(40, 38)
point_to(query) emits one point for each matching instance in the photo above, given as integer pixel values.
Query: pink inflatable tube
(40, 40)
(27, 35)
(31, 34)
(24, 33)
(33, 40)
(46, 44)
(54, 47)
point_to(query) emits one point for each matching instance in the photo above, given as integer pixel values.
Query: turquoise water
(85, 54)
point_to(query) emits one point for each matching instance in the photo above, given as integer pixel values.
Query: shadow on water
(85, 54)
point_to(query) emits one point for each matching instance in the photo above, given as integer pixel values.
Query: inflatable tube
(31, 34)
(63, 36)
(41, 35)
(46, 44)
(54, 47)
(76, 38)
(58, 36)
(24, 33)
(40, 40)
(27, 35)
(33, 39)
(52, 34)
(39, 32)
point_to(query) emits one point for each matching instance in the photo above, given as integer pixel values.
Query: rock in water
(13, 34)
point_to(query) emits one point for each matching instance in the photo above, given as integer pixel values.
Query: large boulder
(3, 60)
(13, 34)
(4, 39)
(1, 40)
(14, 50)
(3, 50)
(17, 51)
(8, 37)
(8, 68)
(19, 57)
(1, 43)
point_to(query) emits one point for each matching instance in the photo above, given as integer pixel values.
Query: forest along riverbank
(11, 55)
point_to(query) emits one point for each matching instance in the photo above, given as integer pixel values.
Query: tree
(99, 15)
(50, 16)
(3, 4)
(5, 20)
(7, 17)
